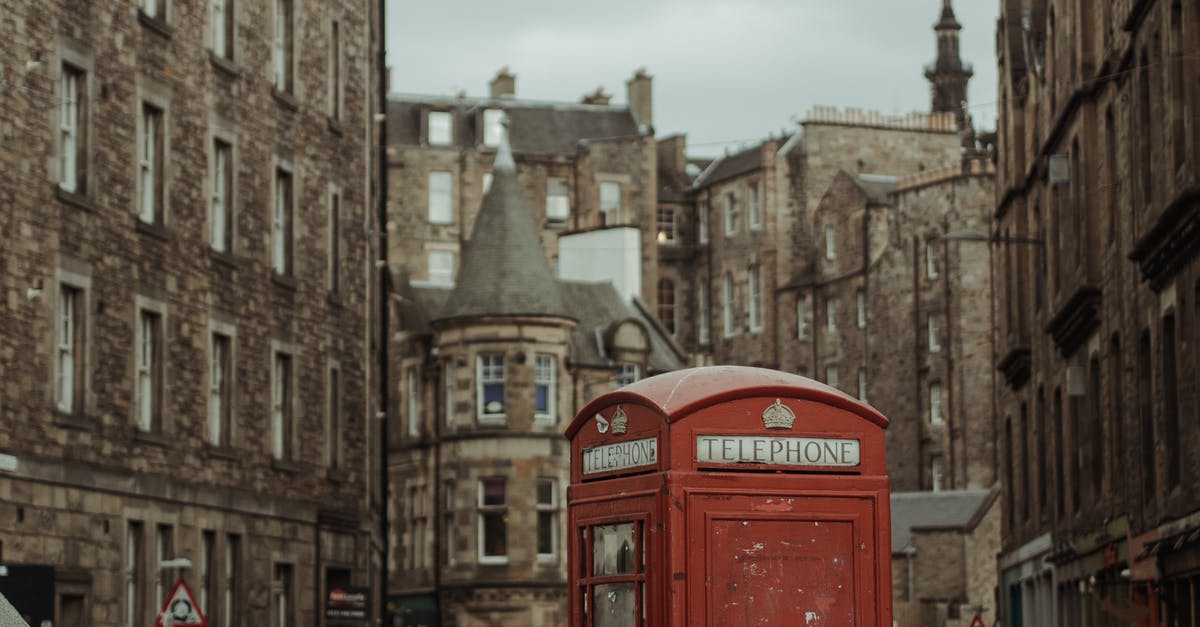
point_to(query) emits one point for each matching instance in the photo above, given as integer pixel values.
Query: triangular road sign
(977, 621)
(181, 609)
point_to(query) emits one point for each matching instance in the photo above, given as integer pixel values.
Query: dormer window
(493, 127)
(440, 128)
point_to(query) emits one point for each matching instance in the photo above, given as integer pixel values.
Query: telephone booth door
(611, 582)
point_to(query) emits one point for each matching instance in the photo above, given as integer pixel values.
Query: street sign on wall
(347, 604)
(181, 609)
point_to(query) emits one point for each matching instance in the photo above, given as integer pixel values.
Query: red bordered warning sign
(977, 621)
(181, 609)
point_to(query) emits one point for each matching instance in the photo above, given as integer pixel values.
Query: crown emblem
(619, 421)
(778, 416)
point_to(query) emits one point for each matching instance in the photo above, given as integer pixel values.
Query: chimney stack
(504, 85)
(641, 98)
(597, 97)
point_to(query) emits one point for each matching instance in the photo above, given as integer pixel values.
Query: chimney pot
(504, 85)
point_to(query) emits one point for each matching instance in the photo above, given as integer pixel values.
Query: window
(831, 307)
(490, 375)
(1145, 402)
(418, 523)
(441, 198)
(666, 304)
(610, 203)
(441, 128)
(544, 376)
(616, 579)
(448, 526)
(220, 220)
(627, 374)
(860, 298)
(448, 384)
(281, 406)
(558, 201)
(441, 267)
(702, 229)
(830, 244)
(488, 177)
(281, 224)
(281, 596)
(412, 376)
(936, 472)
(755, 207)
(666, 225)
(164, 549)
(862, 384)
(931, 260)
(1170, 399)
(154, 8)
(335, 70)
(222, 28)
(730, 213)
(335, 242)
(333, 447)
(727, 305)
(831, 376)
(547, 520)
(219, 401)
(149, 371)
(754, 304)
(493, 127)
(935, 404)
(282, 50)
(935, 333)
(135, 575)
(702, 315)
(802, 314)
(150, 165)
(208, 591)
(493, 521)
(70, 333)
(230, 608)
(72, 135)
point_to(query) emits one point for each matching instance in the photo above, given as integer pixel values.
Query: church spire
(948, 75)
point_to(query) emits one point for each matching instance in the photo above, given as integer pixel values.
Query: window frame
(282, 590)
(668, 312)
(439, 127)
(443, 275)
(931, 260)
(704, 333)
(149, 363)
(336, 71)
(934, 323)
(831, 376)
(937, 414)
(730, 213)
(71, 347)
(493, 127)
(222, 19)
(335, 398)
(545, 374)
(860, 302)
(448, 522)
(728, 326)
(611, 214)
(334, 242)
(862, 384)
(485, 377)
(220, 387)
(550, 510)
(282, 221)
(803, 311)
(702, 210)
(483, 510)
(135, 573)
(283, 57)
(666, 226)
(413, 402)
(220, 232)
(440, 197)
(449, 382)
(151, 162)
(627, 373)
(72, 128)
(831, 313)
(283, 377)
(754, 308)
(558, 205)
(830, 243)
(754, 201)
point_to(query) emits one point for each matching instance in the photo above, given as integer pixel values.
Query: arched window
(666, 304)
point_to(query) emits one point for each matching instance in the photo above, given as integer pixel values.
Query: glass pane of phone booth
(613, 581)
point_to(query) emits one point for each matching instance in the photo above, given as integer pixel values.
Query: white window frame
(282, 216)
(220, 385)
(67, 335)
(486, 373)
(727, 325)
(730, 213)
(668, 305)
(831, 313)
(860, 299)
(220, 18)
(543, 508)
(219, 206)
(282, 407)
(283, 45)
(702, 229)
(802, 314)
(931, 260)
(439, 128)
(490, 509)
(134, 572)
(545, 373)
(935, 332)
(754, 299)
(936, 413)
(862, 384)
(830, 243)
(151, 158)
(493, 127)
(937, 473)
(449, 382)
(831, 376)
(151, 8)
(150, 349)
(705, 331)
(283, 591)
(610, 202)
(71, 83)
(666, 229)
(755, 202)
(413, 388)
(441, 197)
(627, 373)
(441, 264)
(558, 205)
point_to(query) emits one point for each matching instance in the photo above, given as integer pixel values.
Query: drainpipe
(384, 301)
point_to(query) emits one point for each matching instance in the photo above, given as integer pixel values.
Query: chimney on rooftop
(597, 97)
(641, 97)
(504, 85)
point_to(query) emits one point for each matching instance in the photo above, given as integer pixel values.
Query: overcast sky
(724, 70)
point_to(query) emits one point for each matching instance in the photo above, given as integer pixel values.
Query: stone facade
(1096, 322)
(169, 394)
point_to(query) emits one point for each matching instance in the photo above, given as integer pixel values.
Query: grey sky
(724, 70)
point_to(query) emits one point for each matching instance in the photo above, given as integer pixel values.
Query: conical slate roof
(504, 271)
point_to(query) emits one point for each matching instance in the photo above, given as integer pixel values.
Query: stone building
(185, 321)
(1096, 232)
(489, 370)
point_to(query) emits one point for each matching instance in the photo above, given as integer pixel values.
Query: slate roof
(732, 166)
(504, 271)
(949, 509)
(535, 127)
(598, 305)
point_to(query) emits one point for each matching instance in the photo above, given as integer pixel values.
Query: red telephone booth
(729, 496)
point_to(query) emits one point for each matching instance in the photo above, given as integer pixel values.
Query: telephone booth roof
(681, 392)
